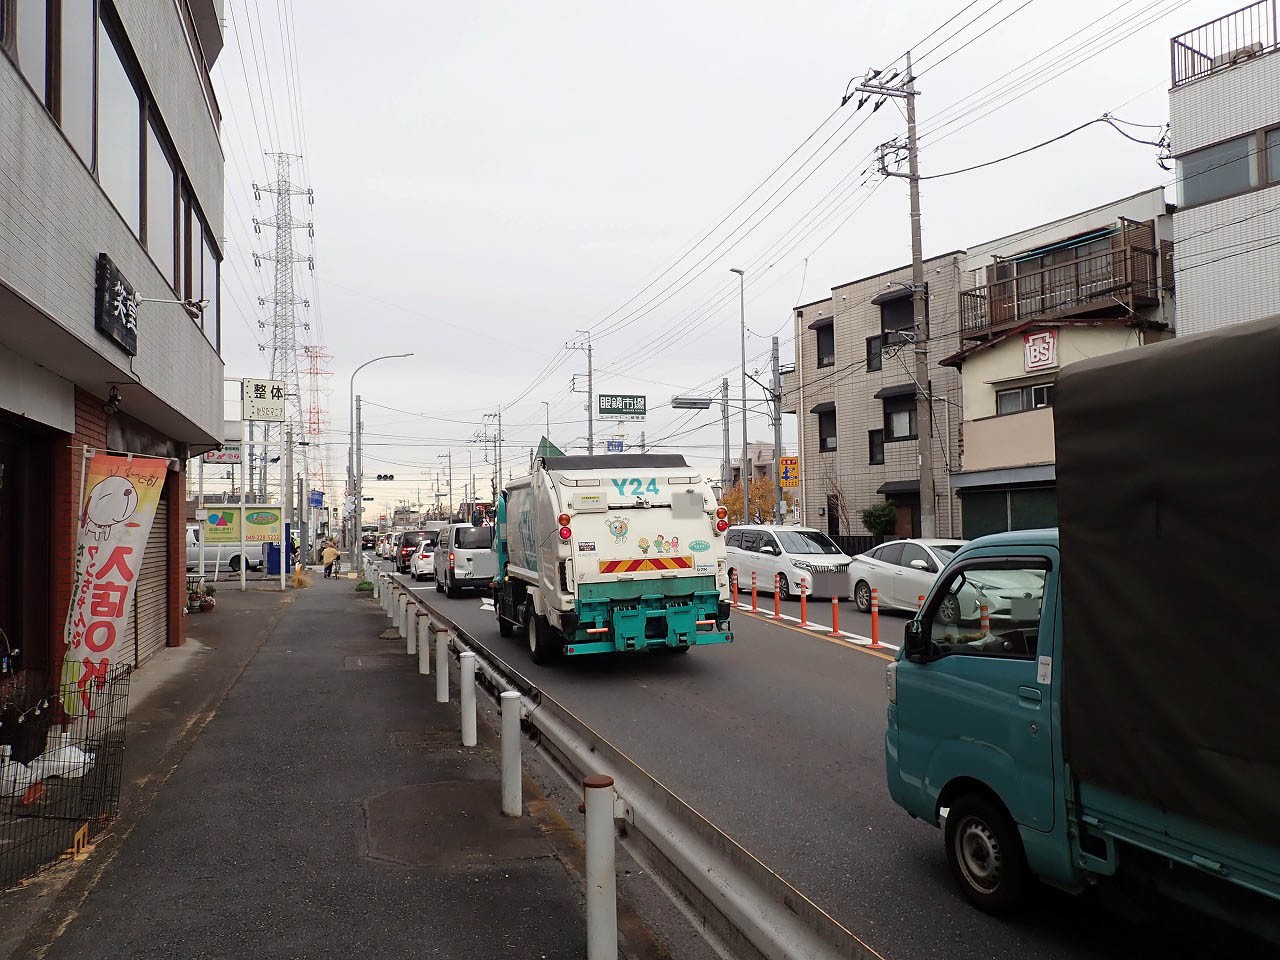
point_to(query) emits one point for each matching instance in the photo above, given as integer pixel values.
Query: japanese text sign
(788, 471)
(263, 400)
(230, 453)
(622, 406)
(119, 504)
(1040, 350)
(222, 524)
(115, 311)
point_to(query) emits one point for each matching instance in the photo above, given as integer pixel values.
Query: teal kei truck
(1100, 703)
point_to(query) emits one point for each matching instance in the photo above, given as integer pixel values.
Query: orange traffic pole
(754, 606)
(735, 588)
(777, 596)
(984, 618)
(835, 617)
(875, 617)
(804, 606)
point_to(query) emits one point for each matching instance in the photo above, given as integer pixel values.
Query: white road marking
(855, 637)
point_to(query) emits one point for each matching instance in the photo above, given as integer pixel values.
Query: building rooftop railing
(1241, 35)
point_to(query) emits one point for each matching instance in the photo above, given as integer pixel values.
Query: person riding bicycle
(330, 556)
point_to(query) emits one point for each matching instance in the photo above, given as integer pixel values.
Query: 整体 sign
(116, 511)
(115, 311)
(621, 406)
(263, 400)
(1040, 350)
(262, 524)
(230, 453)
(788, 471)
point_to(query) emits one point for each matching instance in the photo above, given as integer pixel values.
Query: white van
(464, 558)
(788, 553)
(219, 556)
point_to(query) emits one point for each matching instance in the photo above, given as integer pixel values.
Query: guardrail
(739, 903)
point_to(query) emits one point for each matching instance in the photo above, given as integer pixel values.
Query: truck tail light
(722, 525)
(565, 533)
(722, 513)
(563, 519)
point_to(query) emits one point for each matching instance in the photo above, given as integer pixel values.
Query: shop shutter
(151, 598)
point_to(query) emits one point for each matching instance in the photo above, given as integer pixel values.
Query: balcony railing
(1112, 282)
(1242, 35)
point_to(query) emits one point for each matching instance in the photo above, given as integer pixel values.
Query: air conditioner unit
(1238, 55)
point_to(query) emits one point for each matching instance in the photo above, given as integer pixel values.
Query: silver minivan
(464, 558)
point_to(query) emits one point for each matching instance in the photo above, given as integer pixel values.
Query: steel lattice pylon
(284, 301)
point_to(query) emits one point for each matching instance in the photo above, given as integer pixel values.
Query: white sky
(492, 177)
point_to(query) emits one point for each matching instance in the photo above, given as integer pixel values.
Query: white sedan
(420, 564)
(901, 572)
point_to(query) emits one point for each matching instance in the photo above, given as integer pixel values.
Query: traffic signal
(386, 476)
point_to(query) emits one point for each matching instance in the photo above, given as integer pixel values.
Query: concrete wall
(852, 388)
(1226, 103)
(1019, 439)
(55, 219)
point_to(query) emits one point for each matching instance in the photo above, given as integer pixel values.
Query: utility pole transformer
(924, 403)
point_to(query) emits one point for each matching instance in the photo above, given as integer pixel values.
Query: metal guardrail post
(424, 645)
(442, 667)
(602, 894)
(411, 634)
(467, 696)
(512, 801)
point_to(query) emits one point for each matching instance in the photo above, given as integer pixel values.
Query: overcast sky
(492, 177)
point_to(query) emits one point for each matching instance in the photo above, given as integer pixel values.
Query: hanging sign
(230, 453)
(263, 400)
(115, 310)
(119, 504)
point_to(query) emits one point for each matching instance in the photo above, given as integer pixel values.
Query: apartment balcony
(1114, 283)
(1242, 35)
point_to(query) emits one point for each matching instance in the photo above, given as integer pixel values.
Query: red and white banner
(118, 504)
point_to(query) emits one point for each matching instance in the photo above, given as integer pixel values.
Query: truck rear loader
(615, 553)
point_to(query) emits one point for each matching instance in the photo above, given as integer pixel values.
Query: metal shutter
(151, 598)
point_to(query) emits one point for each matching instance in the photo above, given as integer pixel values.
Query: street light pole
(742, 310)
(351, 433)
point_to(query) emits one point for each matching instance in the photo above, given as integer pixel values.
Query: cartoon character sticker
(659, 544)
(643, 544)
(619, 528)
(111, 501)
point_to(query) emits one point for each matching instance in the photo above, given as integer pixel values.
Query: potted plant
(194, 599)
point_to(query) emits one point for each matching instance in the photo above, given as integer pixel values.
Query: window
(75, 111)
(733, 538)
(1024, 398)
(890, 552)
(875, 446)
(119, 132)
(826, 337)
(162, 221)
(809, 541)
(1217, 171)
(209, 291)
(185, 264)
(473, 538)
(913, 551)
(873, 353)
(750, 540)
(1273, 155)
(827, 431)
(900, 418)
(31, 43)
(767, 540)
(989, 609)
(896, 316)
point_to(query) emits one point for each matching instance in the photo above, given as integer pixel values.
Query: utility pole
(725, 472)
(358, 488)
(777, 434)
(924, 407)
(642, 441)
(286, 488)
(746, 477)
(591, 416)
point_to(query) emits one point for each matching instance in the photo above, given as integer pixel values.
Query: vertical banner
(119, 497)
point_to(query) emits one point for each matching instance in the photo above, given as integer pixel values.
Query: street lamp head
(737, 271)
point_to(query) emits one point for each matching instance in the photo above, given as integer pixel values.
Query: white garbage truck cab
(614, 553)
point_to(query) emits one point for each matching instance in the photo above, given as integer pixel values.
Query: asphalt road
(778, 740)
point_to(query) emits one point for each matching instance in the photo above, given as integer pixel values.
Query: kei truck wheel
(985, 854)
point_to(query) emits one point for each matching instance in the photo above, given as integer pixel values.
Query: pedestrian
(329, 557)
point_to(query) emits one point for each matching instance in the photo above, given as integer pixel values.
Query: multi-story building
(854, 394)
(1224, 119)
(761, 458)
(1088, 284)
(109, 164)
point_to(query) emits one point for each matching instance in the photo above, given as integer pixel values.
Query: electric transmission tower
(284, 301)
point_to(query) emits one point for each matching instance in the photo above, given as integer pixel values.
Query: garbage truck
(614, 553)
(1095, 704)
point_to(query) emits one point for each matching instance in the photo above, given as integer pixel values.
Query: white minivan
(464, 558)
(788, 553)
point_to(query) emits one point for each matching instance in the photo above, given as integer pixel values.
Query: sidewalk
(325, 810)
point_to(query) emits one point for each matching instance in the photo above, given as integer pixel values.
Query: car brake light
(721, 513)
(565, 533)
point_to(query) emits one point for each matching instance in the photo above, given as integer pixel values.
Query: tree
(880, 518)
(762, 501)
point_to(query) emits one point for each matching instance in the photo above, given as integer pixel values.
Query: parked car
(422, 563)
(410, 541)
(464, 557)
(901, 572)
(789, 554)
(219, 556)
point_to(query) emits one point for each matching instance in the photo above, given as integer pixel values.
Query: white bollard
(377, 584)
(442, 667)
(424, 646)
(467, 688)
(401, 614)
(512, 802)
(411, 635)
(602, 894)
(405, 613)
